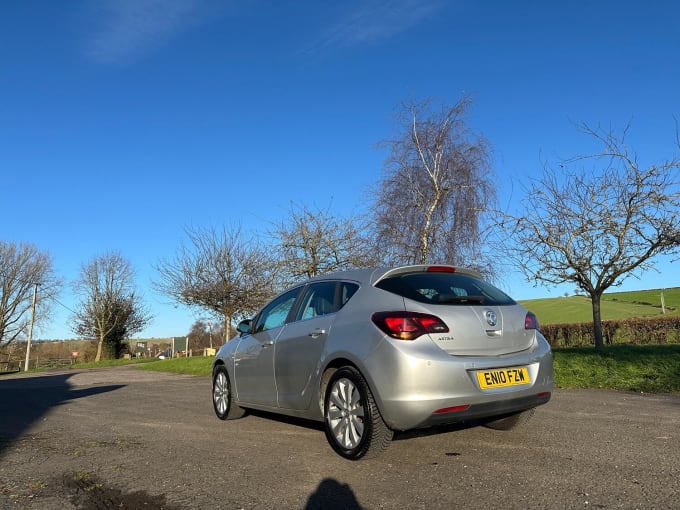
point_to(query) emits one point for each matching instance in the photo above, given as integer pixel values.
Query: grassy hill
(615, 305)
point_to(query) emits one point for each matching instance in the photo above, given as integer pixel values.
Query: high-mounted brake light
(440, 269)
(530, 321)
(408, 325)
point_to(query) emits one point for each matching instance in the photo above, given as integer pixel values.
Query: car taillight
(408, 325)
(530, 321)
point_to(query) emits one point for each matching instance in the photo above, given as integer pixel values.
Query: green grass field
(615, 305)
(196, 365)
(639, 368)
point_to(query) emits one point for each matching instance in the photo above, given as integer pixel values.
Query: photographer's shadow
(332, 495)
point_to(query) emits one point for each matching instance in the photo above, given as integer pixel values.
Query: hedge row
(655, 330)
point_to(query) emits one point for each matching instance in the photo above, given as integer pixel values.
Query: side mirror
(244, 326)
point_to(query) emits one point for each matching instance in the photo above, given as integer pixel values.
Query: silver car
(372, 351)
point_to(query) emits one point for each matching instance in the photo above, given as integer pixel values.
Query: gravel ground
(127, 438)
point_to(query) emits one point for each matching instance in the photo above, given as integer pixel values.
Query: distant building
(156, 347)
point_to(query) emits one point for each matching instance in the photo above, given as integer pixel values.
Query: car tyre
(353, 424)
(223, 399)
(510, 422)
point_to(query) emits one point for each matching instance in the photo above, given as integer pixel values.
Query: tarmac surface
(129, 438)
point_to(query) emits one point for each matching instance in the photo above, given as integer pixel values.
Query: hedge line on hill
(638, 331)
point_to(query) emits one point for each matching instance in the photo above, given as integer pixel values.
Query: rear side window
(445, 288)
(318, 300)
(324, 298)
(347, 290)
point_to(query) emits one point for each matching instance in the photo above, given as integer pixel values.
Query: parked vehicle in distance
(372, 351)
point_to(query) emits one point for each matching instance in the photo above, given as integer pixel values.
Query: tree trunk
(597, 321)
(100, 344)
(227, 328)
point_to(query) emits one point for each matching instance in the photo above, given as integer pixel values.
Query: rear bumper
(478, 411)
(424, 383)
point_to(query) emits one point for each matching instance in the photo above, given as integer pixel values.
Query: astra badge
(491, 318)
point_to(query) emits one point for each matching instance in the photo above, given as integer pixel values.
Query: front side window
(275, 313)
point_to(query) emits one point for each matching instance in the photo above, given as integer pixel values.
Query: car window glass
(275, 313)
(445, 288)
(318, 300)
(347, 290)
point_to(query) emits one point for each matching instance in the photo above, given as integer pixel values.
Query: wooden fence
(17, 365)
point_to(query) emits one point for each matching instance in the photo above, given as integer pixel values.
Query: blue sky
(122, 122)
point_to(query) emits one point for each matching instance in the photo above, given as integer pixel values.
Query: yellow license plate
(501, 377)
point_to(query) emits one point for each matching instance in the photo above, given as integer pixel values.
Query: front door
(254, 361)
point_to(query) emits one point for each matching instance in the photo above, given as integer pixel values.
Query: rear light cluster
(530, 321)
(408, 325)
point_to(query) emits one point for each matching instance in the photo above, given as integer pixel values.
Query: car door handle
(267, 344)
(317, 333)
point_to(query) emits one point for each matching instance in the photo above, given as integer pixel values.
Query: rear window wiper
(453, 299)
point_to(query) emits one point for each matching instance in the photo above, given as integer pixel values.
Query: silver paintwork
(285, 369)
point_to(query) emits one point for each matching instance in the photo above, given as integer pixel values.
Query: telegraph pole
(30, 326)
(663, 304)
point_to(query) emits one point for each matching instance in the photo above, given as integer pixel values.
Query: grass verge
(196, 365)
(640, 368)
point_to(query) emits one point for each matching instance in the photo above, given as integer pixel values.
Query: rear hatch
(482, 330)
(482, 320)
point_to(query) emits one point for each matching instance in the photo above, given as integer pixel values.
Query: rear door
(300, 346)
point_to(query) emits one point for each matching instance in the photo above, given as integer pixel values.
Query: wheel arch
(219, 362)
(224, 399)
(337, 363)
(353, 436)
(326, 375)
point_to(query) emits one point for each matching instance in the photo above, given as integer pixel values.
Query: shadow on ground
(332, 495)
(25, 400)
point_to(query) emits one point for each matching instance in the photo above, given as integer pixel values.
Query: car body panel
(446, 381)
(254, 368)
(284, 369)
(298, 354)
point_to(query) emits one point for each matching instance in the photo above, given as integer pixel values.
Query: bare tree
(595, 227)
(219, 272)
(110, 310)
(313, 242)
(24, 269)
(436, 188)
(204, 334)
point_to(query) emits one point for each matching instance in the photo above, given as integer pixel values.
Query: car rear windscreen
(445, 288)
